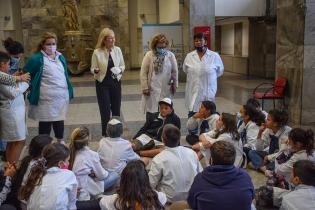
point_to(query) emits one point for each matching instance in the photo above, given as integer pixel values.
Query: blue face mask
(160, 51)
(14, 64)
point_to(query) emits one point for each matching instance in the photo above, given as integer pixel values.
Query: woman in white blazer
(107, 67)
(158, 74)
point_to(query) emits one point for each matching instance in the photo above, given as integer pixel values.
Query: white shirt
(193, 123)
(115, 153)
(252, 130)
(87, 161)
(100, 60)
(108, 201)
(173, 171)
(302, 198)
(202, 77)
(58, 191)
(228, 138)
(54, 94)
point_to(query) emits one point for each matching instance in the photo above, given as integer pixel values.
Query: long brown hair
(51, 155)
(229, 122)
(79, 139)
(135, 191)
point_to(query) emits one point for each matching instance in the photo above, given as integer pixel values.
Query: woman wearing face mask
(15, 50)
(158, 75)
(51, 89)
(202, 67)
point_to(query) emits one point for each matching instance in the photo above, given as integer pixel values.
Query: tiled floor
(83, 109)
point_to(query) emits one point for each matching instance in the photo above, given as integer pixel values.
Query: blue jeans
(111, 180)
(257, 159)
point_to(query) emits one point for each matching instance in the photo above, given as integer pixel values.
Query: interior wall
(245, 38)
(240, 8)
(133, 33)
(227, 39)
(10, 20)
(168, 11)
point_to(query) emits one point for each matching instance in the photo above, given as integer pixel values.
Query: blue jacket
(35, 66)
(221, 187)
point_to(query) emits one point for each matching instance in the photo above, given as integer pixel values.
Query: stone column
(201, 13)
(295, 57)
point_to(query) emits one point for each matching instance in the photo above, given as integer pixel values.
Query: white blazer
(100, 60)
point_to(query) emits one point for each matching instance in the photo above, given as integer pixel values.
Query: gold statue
(70, 10)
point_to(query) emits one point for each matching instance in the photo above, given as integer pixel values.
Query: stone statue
(70, 10)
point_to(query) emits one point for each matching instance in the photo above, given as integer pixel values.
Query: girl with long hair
(48, 185)
(225, 131)
(135, 192)
(92, 178)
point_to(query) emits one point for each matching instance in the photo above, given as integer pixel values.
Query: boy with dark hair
(221, 185)
(173, 170)
(303, 196)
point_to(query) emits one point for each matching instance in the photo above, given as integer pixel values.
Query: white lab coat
(173, 171)
(12, 112)
(115, 153)
(210, 136)
(303, 197)
(202, 77)
(193, 123)
(252, 130)
(87, 161)
(108, 201)
(58, 191)
(158, 84)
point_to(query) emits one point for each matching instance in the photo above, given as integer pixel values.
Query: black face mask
(201, 49)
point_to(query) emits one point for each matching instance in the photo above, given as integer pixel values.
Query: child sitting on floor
(114, 151)
(92, 178)
(202, 121)
(225, 131)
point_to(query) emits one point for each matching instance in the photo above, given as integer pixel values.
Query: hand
(146, 92)
(96, 70)
(198, 115)
(266, 160)
(23, 77)
(10, 169)
(78, 191)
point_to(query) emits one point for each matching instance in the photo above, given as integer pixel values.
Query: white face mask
(50, 49)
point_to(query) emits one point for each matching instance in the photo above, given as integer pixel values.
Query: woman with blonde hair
(107, 67)
(51, 88)
(158, 75)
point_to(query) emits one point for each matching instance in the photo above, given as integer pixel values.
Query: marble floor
(233, 90)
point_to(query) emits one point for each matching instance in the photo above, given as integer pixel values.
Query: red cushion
(260, 95)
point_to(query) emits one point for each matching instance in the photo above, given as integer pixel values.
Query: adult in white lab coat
(12, 113)
(173, 170)
(158, 74)
(202, 67)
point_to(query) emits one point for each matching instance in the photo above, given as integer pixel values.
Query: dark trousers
(88, 205)
(108, 94)
(257, 159)
(45, 128)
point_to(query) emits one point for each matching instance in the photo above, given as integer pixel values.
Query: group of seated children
(54, 176)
